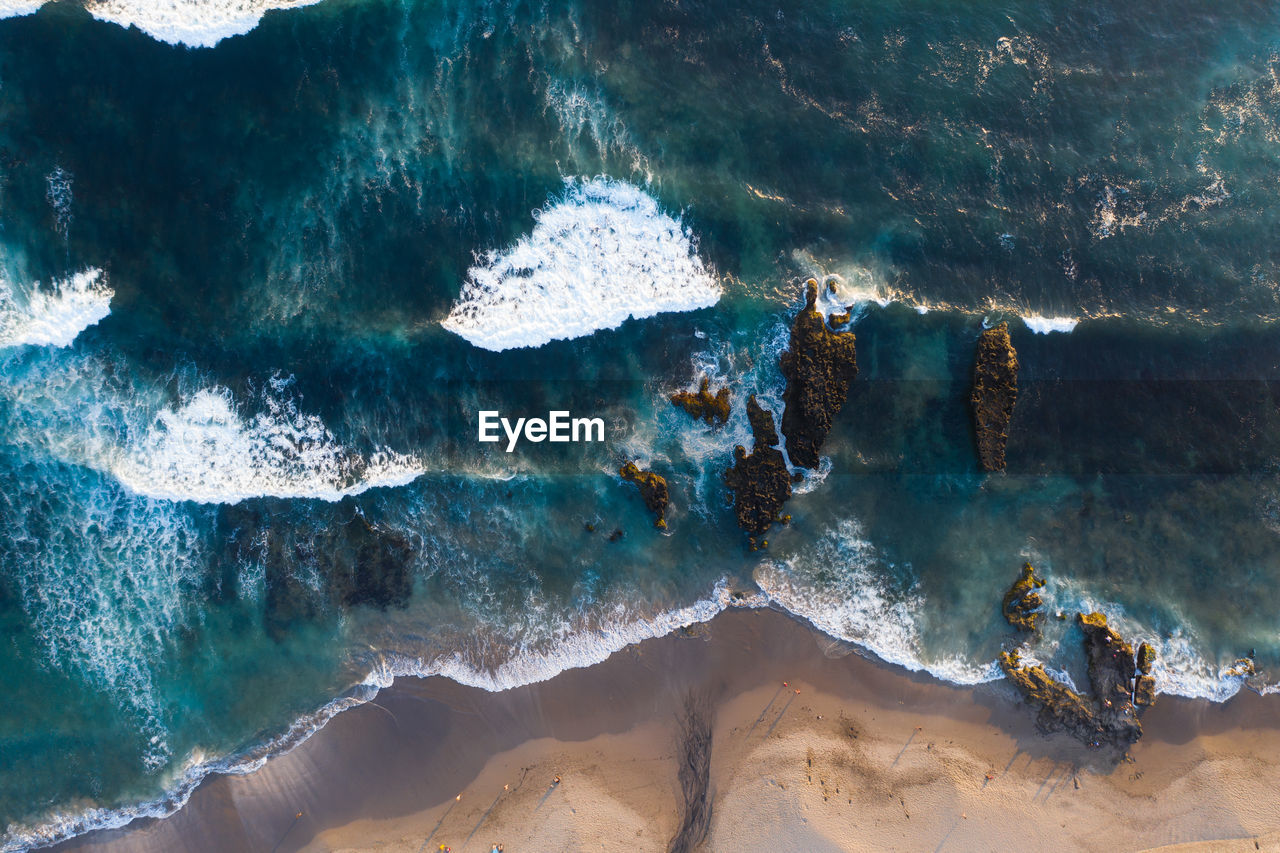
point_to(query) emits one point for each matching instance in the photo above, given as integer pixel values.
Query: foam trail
(56, 316)
(89, 411)
(602, 254)
(855, 603)
(194, 23)
(1182, 668)
(1045, 325)
(204, 451)
(571, 649)
(574, 647)
(104, 585)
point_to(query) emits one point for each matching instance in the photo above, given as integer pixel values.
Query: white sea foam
(1183, 667)
(68, 823)
(56, 315)
(205, 451)
(603, 253)
(573, 648)
(208, 447)
(194, 23)
(1045, 325)
(105, 587)
(834, 586)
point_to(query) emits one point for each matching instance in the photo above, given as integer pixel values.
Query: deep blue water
(254, 295)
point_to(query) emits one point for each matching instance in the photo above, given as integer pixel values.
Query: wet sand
(863, 757)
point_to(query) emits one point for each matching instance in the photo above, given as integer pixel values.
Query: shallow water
(240, 372)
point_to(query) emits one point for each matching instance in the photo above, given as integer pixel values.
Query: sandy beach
(848, 754)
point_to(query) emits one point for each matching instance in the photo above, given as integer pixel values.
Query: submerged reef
(653, 489)
(759, 480)
(995, 390)
(1022, 603)
(353, 562)
(1118, 679)
(703, 405)
(818, 367)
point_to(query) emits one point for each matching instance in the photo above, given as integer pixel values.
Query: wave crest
(56, 316)
(601, 255)
(204, 451)
(194, 23)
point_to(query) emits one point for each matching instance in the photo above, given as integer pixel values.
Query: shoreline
(427, 760)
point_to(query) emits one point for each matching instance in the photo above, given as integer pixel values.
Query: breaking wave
(194, 23)
(1045, 325)
(90, 411)
(53, 316)
(602, 254)
(834, 586)
(205, 451)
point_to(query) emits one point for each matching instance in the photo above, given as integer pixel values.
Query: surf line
(559, 427)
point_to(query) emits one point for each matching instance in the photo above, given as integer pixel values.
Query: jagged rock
(1243, 668)
(1146, 658)
(1144, 686)
(1060, 706)
(1144, 691)
(1022, 602)
(995, 390)
(818, 367)
(653, 488)
(1112, 670)
(703, 405)
(759, 480)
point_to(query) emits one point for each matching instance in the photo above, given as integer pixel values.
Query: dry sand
(863, 757)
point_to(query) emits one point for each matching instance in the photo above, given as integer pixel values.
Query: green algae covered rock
(653, 489)
(995, 390)
(1022, 603)
(759, 480)
(818, 366)
(703, 405)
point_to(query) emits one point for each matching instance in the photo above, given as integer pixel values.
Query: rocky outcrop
(1112, 669)
(1144, 685)
(995, 390)
(1119, 679)
(702, 405)
(818, 367)
(653, 489)
(1060, 706)
(1022, 603)
(759, 480)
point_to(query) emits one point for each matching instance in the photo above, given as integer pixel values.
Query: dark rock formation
(354, 561)
(1144, 686)
(703, 405)
(1022, 603)
(995, 390)
(653, 488)
(1060, 706)
(1111, 673)
(1146, 658)
(1118, 680)
(759, 481)
(818, 367)
(378, 570)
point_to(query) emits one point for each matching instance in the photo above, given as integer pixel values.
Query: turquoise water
(255, 294)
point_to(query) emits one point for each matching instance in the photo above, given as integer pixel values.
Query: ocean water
(260, 268)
